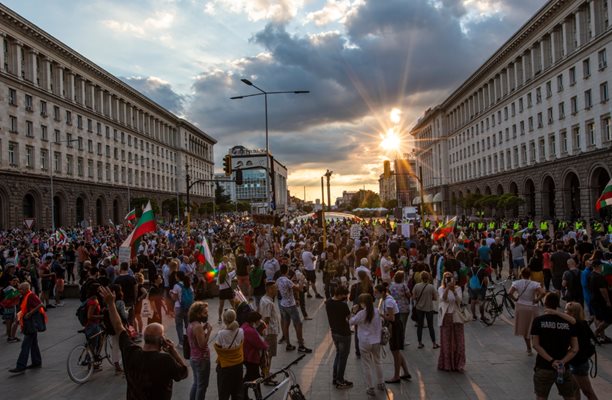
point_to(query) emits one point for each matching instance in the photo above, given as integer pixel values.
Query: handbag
(413, 316)
(145, 309)
(462, 315)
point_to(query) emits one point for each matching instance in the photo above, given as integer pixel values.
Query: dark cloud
(391, 53)
(158, 91)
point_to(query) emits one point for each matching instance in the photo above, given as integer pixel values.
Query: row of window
(548, 148)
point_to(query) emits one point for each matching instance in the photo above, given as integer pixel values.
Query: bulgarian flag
(605, 200)
(131, 215)
(146, 224)
(205, 260)
(444, 230)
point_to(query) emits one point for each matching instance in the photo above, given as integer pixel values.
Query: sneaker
(347, 382)
(304, 349)
(307, 319)
(13, 340)
(309, 295)
(289, 347)
(421, 345)
(318, 296)
(344, 385)
(282, 340)
(334, 382)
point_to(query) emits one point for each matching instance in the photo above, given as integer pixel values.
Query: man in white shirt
(289, 310)
(363, 266)
(309, 270)
(270, 266)
(270, 315)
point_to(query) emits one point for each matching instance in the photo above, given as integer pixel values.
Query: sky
(372, 68)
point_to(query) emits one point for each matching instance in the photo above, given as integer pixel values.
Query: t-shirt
(484, 253)
(285, 289)
(525, 290)
(271, 266)
(242, 266)
(307, 260)
(389, 302)
(598, 282)
(385, 269)
(337, 314)
(268, 309)
(149, 374)
(555, 335)
(517, 252)
(559, 263)
(497, 251)
(401, 294)
(93, 303)
(128, 284)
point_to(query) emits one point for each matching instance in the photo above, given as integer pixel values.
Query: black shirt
(149, 374)
(242, 266)
(497, 251)
(598, 282)
(337, 314)
(555, 335)
(558, 261)
(128, 284)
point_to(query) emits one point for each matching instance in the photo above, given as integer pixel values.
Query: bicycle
(288, 388)
(82, 360)
(493, 307)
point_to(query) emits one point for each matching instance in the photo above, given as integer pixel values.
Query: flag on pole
(605, 200)
(205, 259)
(445, 229)
(130, 216)
(146, 224)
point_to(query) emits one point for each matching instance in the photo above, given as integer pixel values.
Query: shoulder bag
(413, 316)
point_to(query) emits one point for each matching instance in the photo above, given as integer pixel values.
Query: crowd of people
(374, 285)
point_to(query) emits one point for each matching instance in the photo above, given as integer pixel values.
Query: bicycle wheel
(509, 306)
(108, 350)
(80, 364)
(490, 312)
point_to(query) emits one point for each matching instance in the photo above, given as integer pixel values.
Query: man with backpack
(477, 286)
(182, 294)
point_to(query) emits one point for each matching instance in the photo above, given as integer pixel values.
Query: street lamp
(265, 94)
(51, 177)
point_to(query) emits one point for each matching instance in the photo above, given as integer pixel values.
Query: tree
(220, 196)
(169, 206)
(390, 204)
(139, 203)
(365, 199)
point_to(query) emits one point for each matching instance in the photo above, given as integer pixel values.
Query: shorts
(243, 281)
(477, 294)
(290, 313)
(602, 313)
(396, 342)
(226, 294)
(59, 285)
(272, 341)
(311, 276)
(516, 264)
(543, 379)
(580, 369)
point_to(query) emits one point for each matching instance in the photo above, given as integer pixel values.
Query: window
(29, 129)
(90, 145)
(513, 131)
(588, 101)
(115, 135)
(532, 151)
(28, 102)
(540, 123)
(43, 132)
(603, 92)
(542, 147)
(574, 105)
(99, 128)
(606, 128)
(68, 118)
(44, 160)
(561, 110)
(57, 162)
(108, 132)
(69, 165)
(80, 166)
(572, 76)
(43, 108)
(108, 153)
(564, 142)
(586, 68)
(560, 83)
(524, 154)
(538, 95)
(12, 98)
(530, 123)
(56, 113)
(100, 170)
(116, 153)
(552, 143)
(29, 157)
(12, 154)
(602, 59)
(80, 143)
(522, 125)
(520, 105)
(513, 109)
(576, 137)
(548, 89)
(505, 116)
(590, 132)
(90, 169)
(79, 122)
(14, 128)
(108, 172)
(529, 100)
(550, 116)
(89, 125)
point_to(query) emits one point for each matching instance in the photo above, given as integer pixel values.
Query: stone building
(534, 120)
(68, 124)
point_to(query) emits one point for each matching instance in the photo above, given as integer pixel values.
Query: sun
(390, 141)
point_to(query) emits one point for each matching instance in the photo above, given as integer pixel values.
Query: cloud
(257, 10)
(151, 25)
(159, 91)
(333, 11)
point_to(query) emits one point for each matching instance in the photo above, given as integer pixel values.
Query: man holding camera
(149, 372)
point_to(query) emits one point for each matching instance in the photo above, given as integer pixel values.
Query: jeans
(229, 382)
(29, 345)
(201, 376)
(343, 348)
(421, 315)
(180, 321)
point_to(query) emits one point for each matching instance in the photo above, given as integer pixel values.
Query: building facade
(65, 120)
(534, 120)
(386, 183)
(253, 164)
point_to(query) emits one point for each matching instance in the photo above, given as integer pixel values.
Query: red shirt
(93, 303)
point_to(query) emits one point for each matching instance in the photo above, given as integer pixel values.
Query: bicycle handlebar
(259, 381)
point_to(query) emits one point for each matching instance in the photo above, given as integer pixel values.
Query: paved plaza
(497, 366)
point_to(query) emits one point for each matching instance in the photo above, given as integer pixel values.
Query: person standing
(452, 340)
(182, 294)
(271, 318)
(555, 341)
(601, 301)
(230, 356)
(198, 332)
(289, 311)
(308, 260)
(270, 265)
(529, 294)
(129, 286)
(558, 261)
(253, 347)
(338, 315)
(30, 306)
(243, 265)
(367, 318)
(579, 365)
(572, 288)
(424, 294)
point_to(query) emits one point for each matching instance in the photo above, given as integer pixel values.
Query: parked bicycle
(287, 389)
(83, 359)
(497, 302)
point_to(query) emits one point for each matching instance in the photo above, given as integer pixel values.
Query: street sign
(355, 231)
(29, 222)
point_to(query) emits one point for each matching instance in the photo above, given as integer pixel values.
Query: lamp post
(247, 82)
(51, 176)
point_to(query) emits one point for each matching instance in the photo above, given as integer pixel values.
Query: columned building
(534, 120)
(66, 120)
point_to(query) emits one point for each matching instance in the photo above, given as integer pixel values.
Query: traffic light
(238, 177)
(227, 165)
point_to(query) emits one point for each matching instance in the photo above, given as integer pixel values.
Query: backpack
(475, 283)
(81, 313)
(186, 297)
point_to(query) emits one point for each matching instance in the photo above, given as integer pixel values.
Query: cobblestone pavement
(497, 365)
